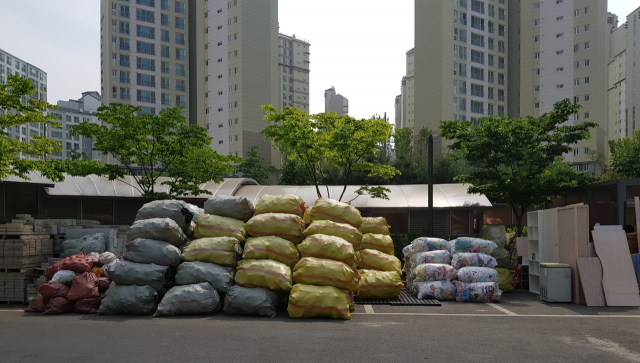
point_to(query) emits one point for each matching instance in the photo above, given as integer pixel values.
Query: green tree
(293, 172)
(15, 113)
(160, 145)
(251, 167)
(625, 156)
(518, 161)
(325, 141)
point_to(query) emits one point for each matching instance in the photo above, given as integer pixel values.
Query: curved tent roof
(400, 196)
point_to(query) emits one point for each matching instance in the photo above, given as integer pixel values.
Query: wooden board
(636, 201)
(573, 243)
(618, 277)
(590, 271)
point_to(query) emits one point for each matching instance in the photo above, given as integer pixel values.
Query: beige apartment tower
(460, 61)
(293, 64)
(564, 51)
(144, 53)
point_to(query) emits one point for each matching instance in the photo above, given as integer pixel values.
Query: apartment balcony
(146, 83)
(146, 51)
(146, 99)
(151, 3)
(125, 80)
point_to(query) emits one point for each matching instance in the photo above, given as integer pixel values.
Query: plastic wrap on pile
(470, 244)
(478, 291)
(141, 274)
(197, 299)
(129, 300)
(478, 274)
(87, 244)
(439, 290)
(220, 277)
(179, 211)
(433, 272)
(251, 301)
(461, 260)
(440, 256)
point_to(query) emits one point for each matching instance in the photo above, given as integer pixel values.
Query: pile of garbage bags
(461, 270)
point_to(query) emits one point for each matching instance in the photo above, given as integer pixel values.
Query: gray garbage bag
(197, 299)
(144, 250)
(141, 274)
(177, 210)
(251, 301)
(87, 244)
(233, 207)
(502, 257)
(160, 229)
(221, 278)
(131, 300)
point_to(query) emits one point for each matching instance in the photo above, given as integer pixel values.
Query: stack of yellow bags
(270, 253)
(379, 269)
(326, 277)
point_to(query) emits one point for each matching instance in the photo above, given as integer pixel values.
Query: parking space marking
(509, 316)
(497, 307)
(368, 309)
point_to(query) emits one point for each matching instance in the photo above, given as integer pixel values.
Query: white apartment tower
(10, 64)
(564, 46)
(461, 45)
(144, 53)
(407, 104)
(335, 102)
(294, 63)
(624, 79)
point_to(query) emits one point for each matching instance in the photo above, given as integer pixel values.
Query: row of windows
(148, 16)
(576, 12)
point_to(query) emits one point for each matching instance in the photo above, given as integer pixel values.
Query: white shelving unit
(533, 225)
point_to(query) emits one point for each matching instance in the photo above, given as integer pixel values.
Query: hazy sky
(358, 46)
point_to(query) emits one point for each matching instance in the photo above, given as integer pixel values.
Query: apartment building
(624, 79)
(397, 107)
(70, 113)
(564, 47)
(10, 64)
(461, 45)
(408, 91)
(293, 59)
(335, 102)
(145, 53)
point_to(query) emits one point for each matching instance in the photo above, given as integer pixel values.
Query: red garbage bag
(53, 289)
(37, 305)
(83, 286)
(87, 306)
(58, 305)
(103, 284)
(79, 263)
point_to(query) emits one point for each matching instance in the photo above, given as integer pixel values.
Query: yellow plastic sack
(332, 210)
(377, 225)
(307, 301)
(215, 226)
(287, 226)
(319, 272)
(379, 284)
(379, 242)
(376, 260)
(271, 248)
(345, 231)
(267, 274)
(505, 280)
(219, 250)
(328, 247)
(288, 204)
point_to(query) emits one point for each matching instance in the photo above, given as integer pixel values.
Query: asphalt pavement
(519, 329)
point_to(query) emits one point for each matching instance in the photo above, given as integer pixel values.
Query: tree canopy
(327, 141)
(519, 160)
(157, 145)
(251, 167)
(15, 113)
(625, 155)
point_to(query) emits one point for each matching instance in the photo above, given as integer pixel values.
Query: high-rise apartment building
(335, 102)
(10, 64)
(294, 64)
(408, 91)
(564, 46)
(460, 61)
(397, 107)
(70, 113)
(145, 53)
(624, 77)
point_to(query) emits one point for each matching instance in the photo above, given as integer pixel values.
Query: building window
(587, 115)
(576, 65)
(576, 82)
(576, 12)
(586, 62)
(145, 15)
(536, 89)
(179, 7)
(477, 90)
(477, 23)
(559, 85)
(536, 105)
(587, 10)
(179, 23)
(587, 98)
(180, 38)
(477, 57)
(576, 30)
(559, 35)
(587, 27)
(586, 80)
(558, 52)
(587, 45)
(558, 18)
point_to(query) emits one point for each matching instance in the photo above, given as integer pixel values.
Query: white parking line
(508, 312)
(510, 316)
(368, 309)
